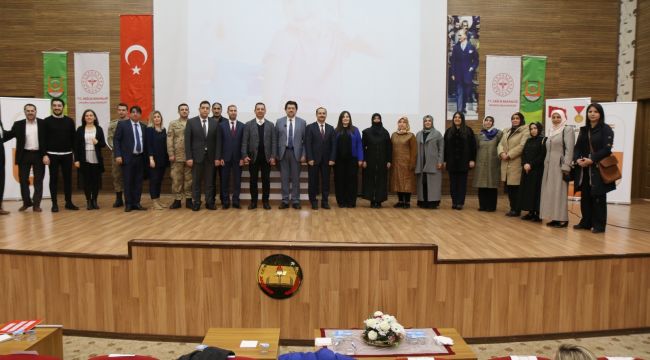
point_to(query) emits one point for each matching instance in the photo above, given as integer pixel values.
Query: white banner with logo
(11, 110)
(621, 116)
(502, 85)
(92, 87)
(575, 110)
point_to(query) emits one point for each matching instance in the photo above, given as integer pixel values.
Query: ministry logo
(92, 81)
(503, 84)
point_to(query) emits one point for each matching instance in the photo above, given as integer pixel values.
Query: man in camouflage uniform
(180, 172)
(116, 170)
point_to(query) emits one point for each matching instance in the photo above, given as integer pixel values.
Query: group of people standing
(534, 168)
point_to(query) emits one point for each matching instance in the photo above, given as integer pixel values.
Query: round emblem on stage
(578, 118)
(503, 84)
(92, 81)
(279, 276)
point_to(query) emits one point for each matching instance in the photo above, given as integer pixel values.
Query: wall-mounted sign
(279, 276)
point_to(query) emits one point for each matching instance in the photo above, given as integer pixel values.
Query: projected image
(463, 69)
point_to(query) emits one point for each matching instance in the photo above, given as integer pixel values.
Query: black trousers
(318, 176)
(230, 171)
(458, 187)
(31, 160)
(513, 197)
(2, 178)
(155, 181)
(346, 179)
(92, 177)
(64, 162)
(593, 207)
(487, 198)
(203, 173)
(254, 168)
(133, 173)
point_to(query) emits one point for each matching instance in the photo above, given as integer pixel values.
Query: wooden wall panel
(642, 52)
(183, 291)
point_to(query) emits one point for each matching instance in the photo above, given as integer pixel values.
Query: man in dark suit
(4, 137)
(464, 61)
(216, 177)
(258, 151)
(129, 144)
(202, 151)
(231, 161)
(30, 149)
(320, 152)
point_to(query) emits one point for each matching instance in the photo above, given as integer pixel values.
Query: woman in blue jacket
(349, 157)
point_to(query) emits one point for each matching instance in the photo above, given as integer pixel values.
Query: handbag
(607, 166)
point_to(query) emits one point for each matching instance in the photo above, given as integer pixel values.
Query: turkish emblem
(279, 276)
(136, 61)
(532, 90)
(55, 86)
(503, 84)
(92, 81)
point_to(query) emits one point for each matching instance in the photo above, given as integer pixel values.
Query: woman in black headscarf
(532, 159)
(594, 143)
(377, 153)
(460, 156)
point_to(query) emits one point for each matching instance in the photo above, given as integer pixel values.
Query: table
(461, 350)
(49, 341)
(230, 338)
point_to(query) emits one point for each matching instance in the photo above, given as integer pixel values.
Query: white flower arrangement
(383, 330)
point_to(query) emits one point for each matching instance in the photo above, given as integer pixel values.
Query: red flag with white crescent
(136, 61)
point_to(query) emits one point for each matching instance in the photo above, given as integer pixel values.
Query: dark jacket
(357, 145)
(80, 145)
(460, 149)
(196, 141)
(231, 145)
(124, 140)
(602, 140)
(157, 146)
(18, 132)
(317, 148)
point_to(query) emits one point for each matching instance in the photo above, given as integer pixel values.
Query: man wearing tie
(30, 149)
(289, 137)
(231, 161)
(464, 61)
(129, 143)
(258, 151)
(4, 137)
(320, 151)
(202, 154)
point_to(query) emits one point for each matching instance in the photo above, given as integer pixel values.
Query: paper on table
(323, 341)
(248, 344)
(419, 358)
(5, 337)
(443, 340)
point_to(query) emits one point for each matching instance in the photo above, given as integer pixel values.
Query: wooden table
(49, 341)
(230, 338)
(461, 350)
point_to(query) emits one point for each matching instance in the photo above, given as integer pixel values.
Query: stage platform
(178, 272)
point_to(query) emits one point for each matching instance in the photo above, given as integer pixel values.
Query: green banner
(55, 76)
(532, 88)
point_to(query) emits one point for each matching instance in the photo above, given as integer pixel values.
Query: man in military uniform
(180, 172)
(116, 170)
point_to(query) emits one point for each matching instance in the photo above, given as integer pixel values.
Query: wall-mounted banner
(462, 84)
(502, 83)
(136, 61)
(55, 75)
(92, 86)
(532, 87)
(621, 116)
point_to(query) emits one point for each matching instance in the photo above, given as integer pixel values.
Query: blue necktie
(290, 142)
(138, 145)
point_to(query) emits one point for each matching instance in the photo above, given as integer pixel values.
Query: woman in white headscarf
(557, 166)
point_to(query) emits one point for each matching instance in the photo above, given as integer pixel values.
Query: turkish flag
(136, 61)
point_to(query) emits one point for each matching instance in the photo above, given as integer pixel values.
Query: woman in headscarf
(595, 142)
(402, 171)
(510, 148)
(349, 157)
(486, 176)
(377, 152)
(533, 170)
(428, 166)
(460, 154)
(557, 165)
